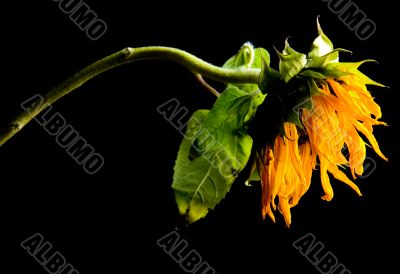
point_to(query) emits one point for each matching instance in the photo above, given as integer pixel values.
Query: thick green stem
(126, 56)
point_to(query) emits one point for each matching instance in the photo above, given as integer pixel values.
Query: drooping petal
(339, 175)
(371, 138)
(342, 109)
(326, 184)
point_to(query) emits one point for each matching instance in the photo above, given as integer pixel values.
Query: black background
(109, 222)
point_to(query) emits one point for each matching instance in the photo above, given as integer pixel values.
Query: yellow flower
(342, 108)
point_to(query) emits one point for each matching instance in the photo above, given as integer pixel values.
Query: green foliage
(216, 146)
(215, 149)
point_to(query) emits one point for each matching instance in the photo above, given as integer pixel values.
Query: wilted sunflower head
(312, 117)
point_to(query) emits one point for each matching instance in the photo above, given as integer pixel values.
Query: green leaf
(247, 57)
(261, 55)
(291, 62)
(224, 128)
(193, 128)
(243, 59)
(229, 110)
(198, 185)
(216, 148)
(257, 99)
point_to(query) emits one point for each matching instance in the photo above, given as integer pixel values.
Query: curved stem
(126, 56)
(207, 85)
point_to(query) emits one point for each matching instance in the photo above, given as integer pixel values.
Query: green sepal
(321, 46)
(322, 61)
(337, 70)
(291, 62)
(312, 74)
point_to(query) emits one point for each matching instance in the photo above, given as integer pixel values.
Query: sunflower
(326, 132)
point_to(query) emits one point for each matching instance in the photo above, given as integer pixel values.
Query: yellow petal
(326, 185)
(339, 175)
(371, 138)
